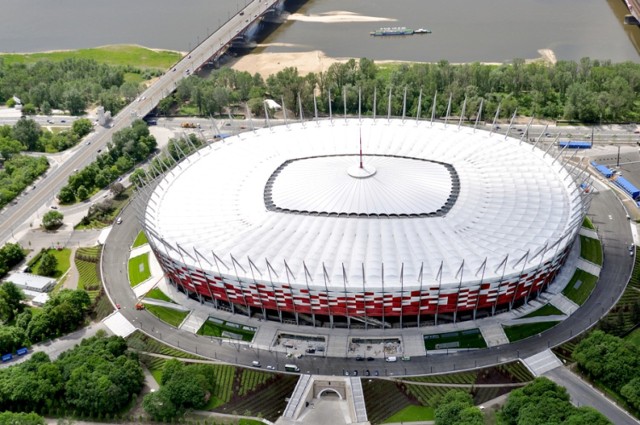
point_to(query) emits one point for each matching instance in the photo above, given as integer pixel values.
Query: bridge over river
(16, 217)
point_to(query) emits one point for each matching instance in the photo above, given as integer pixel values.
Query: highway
(12, 218)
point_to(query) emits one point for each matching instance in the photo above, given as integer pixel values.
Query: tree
(159, 406)
(11, 298)
(82, 127)
(82, 193)
(10, 418)
(117, 188)
(29, 109)
(9, 148)
(52, 220)
(66, 195)
(74, 102)
(48, 264)
(631, 392)
(544, 402)
(12, 338)
(456, 408)
(27, 132)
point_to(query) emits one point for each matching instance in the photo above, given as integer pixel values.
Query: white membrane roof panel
(512, 200)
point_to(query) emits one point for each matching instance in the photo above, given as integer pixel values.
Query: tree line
(127, 148)
(71, 85)
(589, 91)
(11, 254)
(64, 312)
(540, 402)
(613, 362)
(183, 387)
(28, 135)
(98, 378)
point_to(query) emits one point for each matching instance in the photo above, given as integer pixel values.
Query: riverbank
(267, 63)
(116, 54)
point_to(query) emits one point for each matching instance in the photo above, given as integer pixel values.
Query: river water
(463, 30)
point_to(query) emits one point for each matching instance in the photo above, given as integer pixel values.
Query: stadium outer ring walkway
(607, 213)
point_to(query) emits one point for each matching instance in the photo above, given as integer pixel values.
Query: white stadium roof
(437, 195)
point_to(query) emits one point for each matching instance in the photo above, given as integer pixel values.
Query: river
(463, 30)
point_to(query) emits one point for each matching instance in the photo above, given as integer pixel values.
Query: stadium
(366, 222)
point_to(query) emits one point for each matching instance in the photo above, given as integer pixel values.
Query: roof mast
(361, 148)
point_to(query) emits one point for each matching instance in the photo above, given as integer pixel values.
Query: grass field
(412, 413)
(63, 257)
(471, 338)
(139, 269)
(580, 294)
(210, 328)
(591, 250)
(157, 294)
(166, 314)
(518, 332)
(634, 337)
(588, 224)
(141, 239)
(545, 310)
(120, 54)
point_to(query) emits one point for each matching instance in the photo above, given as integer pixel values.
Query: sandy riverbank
(317, 61)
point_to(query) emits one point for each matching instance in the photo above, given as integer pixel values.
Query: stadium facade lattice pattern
(443, 221)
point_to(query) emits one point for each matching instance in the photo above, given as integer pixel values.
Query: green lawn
(588, 224)
(580, 294)
(141, 239)
(518, 332)
(139, 269)
(545, 310)
(119, 54)
(157, 294)
(412, 414)
(591, 250)
(166, 314)
(471, 338)
(634, 337)
(64, 262)
(210, 328)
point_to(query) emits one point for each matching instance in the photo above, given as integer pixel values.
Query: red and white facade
(439, 221)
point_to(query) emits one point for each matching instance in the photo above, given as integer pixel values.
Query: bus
(291, 368)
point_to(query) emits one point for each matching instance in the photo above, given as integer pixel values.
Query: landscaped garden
(580, 286)
(413, 399)
(518, 332)
(591, 250)
(62, 262)
(471, 338)
(248, 392)
(545, 310)
(223, 329)
(139, 269)
(166, 314)
(157, 294)
(141, 239)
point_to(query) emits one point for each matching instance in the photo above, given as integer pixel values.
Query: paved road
(606, 211)
(582, 394)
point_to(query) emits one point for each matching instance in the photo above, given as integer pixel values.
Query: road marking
(610, 218)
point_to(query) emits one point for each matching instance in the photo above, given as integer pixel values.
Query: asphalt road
(583, 394)
(606, 212)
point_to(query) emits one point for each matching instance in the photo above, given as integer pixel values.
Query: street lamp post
(618, 160)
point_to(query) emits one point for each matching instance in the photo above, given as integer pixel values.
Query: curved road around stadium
(606, 212)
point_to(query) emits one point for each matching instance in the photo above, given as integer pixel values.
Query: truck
(139, 306)
(188, 125)
(291, 368)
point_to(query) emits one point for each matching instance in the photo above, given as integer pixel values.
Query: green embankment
(119, 54)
